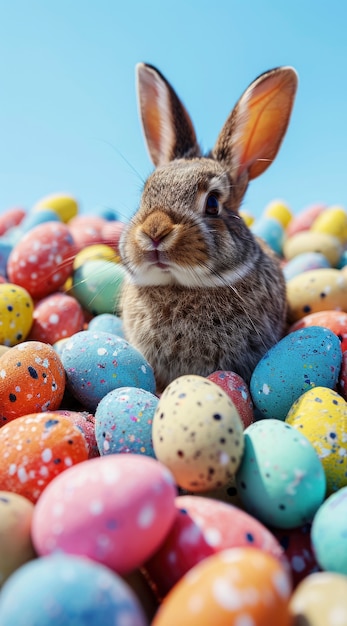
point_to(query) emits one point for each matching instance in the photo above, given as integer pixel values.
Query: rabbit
(201, 293)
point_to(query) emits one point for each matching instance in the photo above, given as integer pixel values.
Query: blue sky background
(68, 106)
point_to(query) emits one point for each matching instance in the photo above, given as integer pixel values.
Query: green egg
(97, 286)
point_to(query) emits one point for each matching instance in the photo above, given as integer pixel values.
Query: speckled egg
(316, 290)
(86, 230)
(197, 433)
(321, 415)
(55, 317)
(307, 358)
(329, 537)
(203, 527)
(42, 260)
(123, 421)
(97, 362)
(36, 448)
(97, 286)
(10, 218)
(342, 382)
(334, 320)
(320, 600)
(67, 590)
(16, 314)
(115, 509)
(309, 241)
(107, 323)
(237, 390)
(281, 480)
(240, 586)
(15, 533)
(296, 543)
(305, 262)
(85, 422)
(32, 380)
(271, 231)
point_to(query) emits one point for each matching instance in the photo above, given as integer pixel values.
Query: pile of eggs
(215, 503)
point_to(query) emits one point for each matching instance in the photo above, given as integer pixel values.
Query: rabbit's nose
(157, 226)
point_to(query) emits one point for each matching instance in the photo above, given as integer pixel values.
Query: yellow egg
(316, 290)
(247, 217)
(332, 221)
(310, 241)
(321, 415)
(64, 205)
(320, 600)
(16, 314)
(95, 251)
(279, 210)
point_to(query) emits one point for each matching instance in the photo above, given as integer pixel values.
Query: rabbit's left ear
(252, 135)
(168, 129)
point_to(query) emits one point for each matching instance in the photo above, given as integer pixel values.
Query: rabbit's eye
(212, 205)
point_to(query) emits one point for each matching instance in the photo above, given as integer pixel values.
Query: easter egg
(42, 260)
(85, 422)
(307, 358)
(320, 600)
(10, 218)
(296, 543)
(281, 480)
(203, 527)
(5, 251)
(271, 231)
(316, 290)
(98, 251)
(342, 382)
(107, 323)
(241, 586)
(15, 533)
(334, 320)
(16, 314)
(321, 415)
(63, 589)
(332, 221)
(97, 286)
(35, 449)
(97, 362)
(305, 262)
(32, 380)
(65, 206)
(55, 317)
(328, 534)
(280, 211)
(123, 421)
(197, 433)
(111, 233)
(309, 241)
(114, 509)
(237, 390)
(304, 219)
(86, 230)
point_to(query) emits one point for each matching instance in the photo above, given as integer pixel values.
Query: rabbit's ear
(252, 135)
(167, 126)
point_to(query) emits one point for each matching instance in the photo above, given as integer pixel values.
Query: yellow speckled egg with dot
(65, 206)
(310, 241)
(95, 251)
(279, 210)
(320, 600)
(323, 289)
(321, 415)
(332, 221)
(197, 433)
(16, 314)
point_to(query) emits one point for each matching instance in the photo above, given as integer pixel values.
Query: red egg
(56, 317)
(42, 260)
(342, 382)
(336, 321)
(111, 233)
(297, 547)
(10, 218)
(237, 391)
(85, 422)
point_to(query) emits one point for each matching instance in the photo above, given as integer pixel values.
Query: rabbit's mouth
(158, 259)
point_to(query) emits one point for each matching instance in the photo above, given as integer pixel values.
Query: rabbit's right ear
(168, 129)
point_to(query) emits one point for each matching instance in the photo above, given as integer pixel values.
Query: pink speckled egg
(238, 392)
(114, 509)
(56, 317)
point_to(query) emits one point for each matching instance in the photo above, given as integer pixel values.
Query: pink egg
(85, 422)
(56, 317)
(237, 391)
(86, 230)
(115, 509)
(304, 219)
(203, 527)
(42, 260)
(111, 233)
(10, 218)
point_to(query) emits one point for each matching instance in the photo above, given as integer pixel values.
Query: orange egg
(32, 379)
(34, 449)
(240, 586)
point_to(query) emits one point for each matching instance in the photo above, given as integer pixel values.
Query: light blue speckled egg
(97, 362)
(281, 480)
(65, 589)
(328, 533)
(307, 358)
(123, 421)
(305, 262)
(271, 231)
(107, 323)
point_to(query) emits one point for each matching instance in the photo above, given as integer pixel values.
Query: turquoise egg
(107, 323)
(123, 421)
(281, 480)
(328, 533)
(271, 230)
(65, 589)
(303, 263)
(97, 286)
(307, 358)
(96, 363)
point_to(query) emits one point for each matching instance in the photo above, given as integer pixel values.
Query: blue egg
(6, 247)
(123, 421)
(107, 323)
(61, 589)
(271, 231)
(305, 262)
(328, 533)
(281, 480)
(96, 363)
(307, 358)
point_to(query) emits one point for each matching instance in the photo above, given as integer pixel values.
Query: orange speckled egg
(240, 587)
(34, 449)
(334, 320)
(32, 379)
